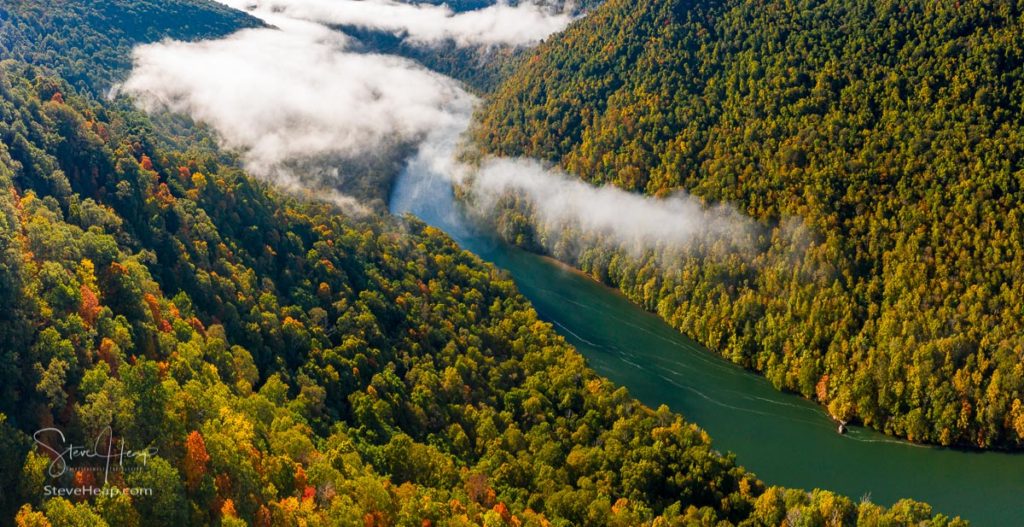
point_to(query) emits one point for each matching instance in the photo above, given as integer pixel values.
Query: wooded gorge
(286, 363)
(880, 145)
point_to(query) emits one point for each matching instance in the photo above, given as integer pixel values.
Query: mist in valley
(310, 111)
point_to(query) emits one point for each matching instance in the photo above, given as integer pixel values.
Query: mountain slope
(881, 144)
(89, 44)
(289, 365)
(282, 364)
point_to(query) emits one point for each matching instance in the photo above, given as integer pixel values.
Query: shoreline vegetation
(878, 145)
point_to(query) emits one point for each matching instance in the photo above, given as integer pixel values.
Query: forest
(89, 43)
(283, 363)
(877, 144)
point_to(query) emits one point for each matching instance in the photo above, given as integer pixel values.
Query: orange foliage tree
(196, 459)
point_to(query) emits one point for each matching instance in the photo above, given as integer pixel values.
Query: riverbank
(785, 439)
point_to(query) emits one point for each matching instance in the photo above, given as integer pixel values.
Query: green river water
(786, 440)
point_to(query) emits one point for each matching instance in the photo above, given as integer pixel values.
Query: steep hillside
(480, 68)
(879, 141)
(280, 363)
(89, 43)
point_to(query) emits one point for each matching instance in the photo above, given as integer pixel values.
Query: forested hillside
(480, 68)
(880, 143)
(281, 363)
(289, 365)
(89, 43)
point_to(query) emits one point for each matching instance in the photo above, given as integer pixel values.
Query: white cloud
(521, 25)
(632, 221)
(296, 94)
(563, 206)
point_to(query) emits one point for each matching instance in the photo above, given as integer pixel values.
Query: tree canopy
(285, 364)
(878, 143)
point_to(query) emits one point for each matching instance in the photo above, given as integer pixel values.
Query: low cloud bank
(568, 213)
(633, 222)
(292, 96)
(524, 24)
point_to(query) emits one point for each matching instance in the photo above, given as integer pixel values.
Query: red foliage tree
(196, 459)
(503, 511)
(90, 307)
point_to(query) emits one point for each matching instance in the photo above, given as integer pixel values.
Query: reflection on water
(785, 439)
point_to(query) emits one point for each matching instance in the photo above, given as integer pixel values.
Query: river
(785, 439)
